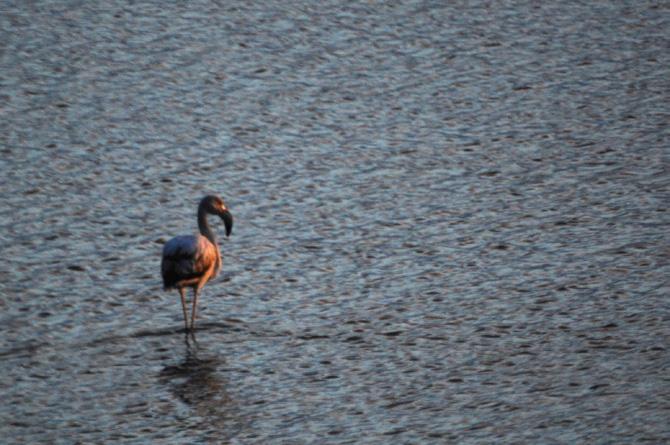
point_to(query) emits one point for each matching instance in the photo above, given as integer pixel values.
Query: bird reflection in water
(196, 382)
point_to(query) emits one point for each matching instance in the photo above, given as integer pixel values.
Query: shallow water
(450, 222)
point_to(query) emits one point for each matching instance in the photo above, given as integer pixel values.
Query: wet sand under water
(450, 222)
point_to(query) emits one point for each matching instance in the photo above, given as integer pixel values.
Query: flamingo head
(215, 206)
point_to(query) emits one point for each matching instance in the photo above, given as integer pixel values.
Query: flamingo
(193, 260)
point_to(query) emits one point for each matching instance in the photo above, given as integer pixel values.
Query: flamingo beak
(227, 221)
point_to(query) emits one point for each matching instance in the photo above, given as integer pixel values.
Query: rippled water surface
(451, 221)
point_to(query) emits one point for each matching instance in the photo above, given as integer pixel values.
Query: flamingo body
(188, 257)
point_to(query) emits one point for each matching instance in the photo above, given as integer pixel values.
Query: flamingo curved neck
(203, 226)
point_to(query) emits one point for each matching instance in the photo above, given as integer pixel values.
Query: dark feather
(188, 257)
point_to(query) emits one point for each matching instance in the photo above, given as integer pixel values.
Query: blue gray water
(451, 221)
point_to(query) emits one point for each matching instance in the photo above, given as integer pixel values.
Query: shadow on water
(215, 327)
(209, 327)
(197, 382)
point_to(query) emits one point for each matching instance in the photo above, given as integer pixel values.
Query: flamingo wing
(186, 257)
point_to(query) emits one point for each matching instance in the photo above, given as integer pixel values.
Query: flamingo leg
(196, 291)
(183, 306)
